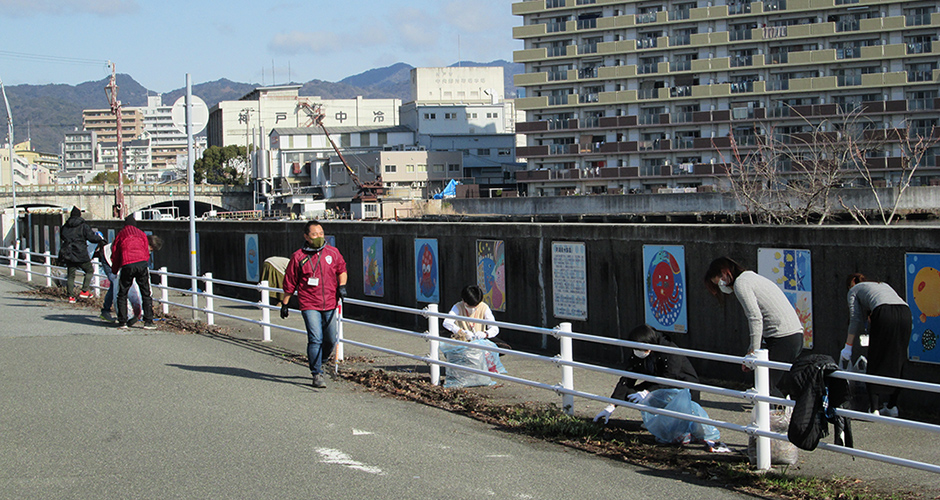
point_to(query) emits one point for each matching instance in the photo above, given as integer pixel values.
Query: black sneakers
(148, 325)
(132, 321)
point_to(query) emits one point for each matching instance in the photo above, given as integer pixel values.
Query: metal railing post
(164, 290)
(48, 269)
(435, 354)
(95, 279)
(567, 372)
(29, 265)
(762, 410)
(339, 331)
(12, 261)
(210, 318)
(265, 312)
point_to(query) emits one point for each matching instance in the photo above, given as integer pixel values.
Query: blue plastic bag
(675, 430)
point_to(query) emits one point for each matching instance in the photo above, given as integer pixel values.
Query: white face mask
(723, 286)
(641, 354)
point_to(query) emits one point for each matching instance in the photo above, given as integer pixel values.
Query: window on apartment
(390, 169)
(381, 139)
(430, 116)
(472, 115)
(483, 152)
(495, 115)
(453, 167)
(503, 152)
(409, 169)
(450, 116)
(365, 139)
(437, 167)
(422, 168)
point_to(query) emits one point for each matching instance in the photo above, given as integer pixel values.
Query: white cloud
(416, 30)
(298, 42)
(68, 7)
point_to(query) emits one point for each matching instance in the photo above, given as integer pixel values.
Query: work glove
(341, 292)
(846, 353)
(638, 397)
(461, 335)
(284, 311)
(605, 413)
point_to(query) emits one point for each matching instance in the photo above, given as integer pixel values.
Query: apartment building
(665, 94)
(103, 123)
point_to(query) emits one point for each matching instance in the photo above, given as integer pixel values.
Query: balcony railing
(554, 76)
(586, 24)
(849, 80)
(913, 104)
(647, 68)
(919, 47)
(649, 17)
(587, 98)
(847, 25)
(685, 142)
(739, 61)
(678, 14)
(557, 51)
(682, 117)
(647, 93)
(849, 53)
(778, 84)
(648, 145)
(555, 27)
(554, 4)
(587, 48)
(741, 87)
(740, 34)
(646, 43)
(586, 2)
(558, 149)
(681, 91)
(681, 65)
(649, 119)
(591, 121)
(919, 76)
(917, 19)
(739, 8)
(587, 73)
(556, 100)
(678, 39)
(772, 5)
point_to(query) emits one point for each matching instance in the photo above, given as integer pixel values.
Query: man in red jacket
(130, 254)
(317, 272)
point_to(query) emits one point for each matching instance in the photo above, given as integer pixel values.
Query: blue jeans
(317, 344)
(108, 297)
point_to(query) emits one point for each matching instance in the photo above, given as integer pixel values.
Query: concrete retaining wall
(614, 272)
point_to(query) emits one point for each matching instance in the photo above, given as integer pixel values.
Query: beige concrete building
(104, 124)
(645, 95)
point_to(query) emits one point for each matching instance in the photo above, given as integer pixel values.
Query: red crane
(368, 190)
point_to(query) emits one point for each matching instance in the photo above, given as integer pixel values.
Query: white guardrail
(759, 395)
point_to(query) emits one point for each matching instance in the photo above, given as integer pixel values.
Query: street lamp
(16, 216)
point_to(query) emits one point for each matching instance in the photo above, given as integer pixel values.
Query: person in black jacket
(657, 364)
(73, 252)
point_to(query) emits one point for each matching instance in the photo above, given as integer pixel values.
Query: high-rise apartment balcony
(646, 43)
(849, 53)
(917, 19)
(919, 48)
(741, 61)
(649, 17)
(587, 24)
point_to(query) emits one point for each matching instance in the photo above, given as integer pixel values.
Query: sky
(158, 42)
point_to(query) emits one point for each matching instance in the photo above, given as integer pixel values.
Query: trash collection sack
(781, 452)
(668, 429)
(473, 358)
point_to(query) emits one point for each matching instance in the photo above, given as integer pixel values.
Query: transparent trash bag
(473, 358)
(781, 452)
(668, 429)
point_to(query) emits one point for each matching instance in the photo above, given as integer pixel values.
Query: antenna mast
(111, 90)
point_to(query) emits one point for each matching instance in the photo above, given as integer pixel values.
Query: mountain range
(44, 113)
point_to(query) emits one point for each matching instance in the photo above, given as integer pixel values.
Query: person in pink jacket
(317, 273)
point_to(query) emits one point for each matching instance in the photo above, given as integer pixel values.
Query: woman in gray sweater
(772, 320)
(890, 329)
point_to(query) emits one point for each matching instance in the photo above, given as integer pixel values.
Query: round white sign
(200, 114)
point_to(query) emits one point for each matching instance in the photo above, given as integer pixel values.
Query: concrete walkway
(869, 436)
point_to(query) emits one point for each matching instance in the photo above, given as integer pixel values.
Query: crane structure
(111, 90)
(366, 190)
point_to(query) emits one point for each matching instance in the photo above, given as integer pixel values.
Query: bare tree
(914, 145)
(789, 178)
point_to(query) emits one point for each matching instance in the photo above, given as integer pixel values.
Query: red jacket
(324, 267)
(130, 247)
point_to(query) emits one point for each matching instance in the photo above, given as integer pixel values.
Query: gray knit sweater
(769, 313)
(864, 297)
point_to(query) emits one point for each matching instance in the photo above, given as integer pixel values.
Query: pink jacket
(322, 268)
(129, 247)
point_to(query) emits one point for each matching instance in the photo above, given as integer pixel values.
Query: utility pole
(16, 215)
(112, 91)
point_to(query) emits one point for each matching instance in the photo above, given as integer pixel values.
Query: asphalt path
(90, 411)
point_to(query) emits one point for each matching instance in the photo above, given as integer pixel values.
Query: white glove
(638, 397)
(846, 353)
(605, 413)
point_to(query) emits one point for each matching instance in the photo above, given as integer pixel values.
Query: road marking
(357, 432)
(330, 456)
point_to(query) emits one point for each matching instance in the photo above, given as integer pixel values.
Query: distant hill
(45, 113)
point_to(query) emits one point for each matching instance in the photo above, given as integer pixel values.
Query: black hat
(76, 212)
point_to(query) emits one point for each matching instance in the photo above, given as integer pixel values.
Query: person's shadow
(241, 372)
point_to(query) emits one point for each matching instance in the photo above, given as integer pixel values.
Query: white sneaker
(889, 412)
